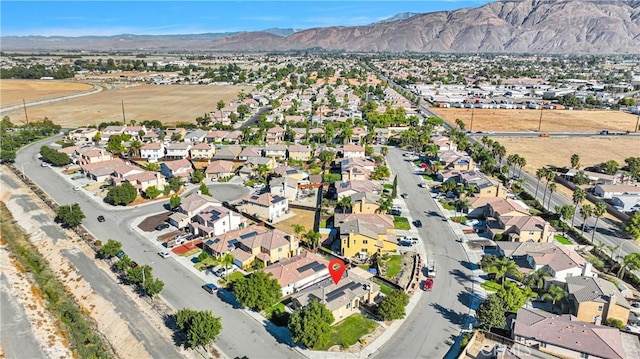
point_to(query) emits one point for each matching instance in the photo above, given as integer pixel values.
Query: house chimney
(586, 270)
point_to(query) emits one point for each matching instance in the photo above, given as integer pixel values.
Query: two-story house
(364, 235)
(298, 272)
(189, 208)
(594, 300)
(268, 206)
(349, 188)
(299, 152)
(275, 135)
(202, 151)
(178, 150)
(276, 151)
(82, 135)
(219, 169)
(146, 179)
(353, 151)
(216, 220)
(152, 152)
(268, 248)
(179, 168)
(365, 202)
(219, 245)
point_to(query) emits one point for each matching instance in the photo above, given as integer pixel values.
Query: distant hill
(512, 26)
(280, 32)
(401, 16)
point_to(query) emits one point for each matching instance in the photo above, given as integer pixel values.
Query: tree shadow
(228, 297)
(469, 265)
(454, 317)
(178, 336)
(469, 299)
(460, 276)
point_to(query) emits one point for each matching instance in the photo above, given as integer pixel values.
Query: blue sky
(77, 18)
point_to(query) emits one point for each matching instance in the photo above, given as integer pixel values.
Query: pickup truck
(431, 270)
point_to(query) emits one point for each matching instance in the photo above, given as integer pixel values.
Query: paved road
(18, 340)
(241, 335)
(431, 328)
(254, 119)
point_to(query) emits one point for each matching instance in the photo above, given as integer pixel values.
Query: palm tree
(344, 203)
(554, 293)
(586, 211)
(504, 267)
(461, 205)
(385, 204)
(552, 188)
(521, 163)
(598, 212)
(134, 147)
(575, 161)
(536, 279)
(262, 171)
(384, 151)
(613, 249)
(548, 175)
(578, 196)
(631, 261)
(298, 228)
(227, 260)
(511, 160)
(539, 175)
(346, 135)
(313, 238)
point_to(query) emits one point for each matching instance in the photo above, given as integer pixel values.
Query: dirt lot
(166, 103)
(557, 151)
(149, 224)
(552, 120)
(302, 217)
(13, 91)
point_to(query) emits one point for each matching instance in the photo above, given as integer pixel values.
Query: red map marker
(336, 268)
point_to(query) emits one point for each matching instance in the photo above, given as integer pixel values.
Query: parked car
(101, 219)
(44, 164)
(210, 287)
(76, 188)
(162, 226)
(417, 223)
(428, 284)
(164, 254)
(120, 254)
(404, 195)
(221, 271)
(471, 222)
(404, 243)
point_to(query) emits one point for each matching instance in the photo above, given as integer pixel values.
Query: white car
(164, 254)
(76, 188)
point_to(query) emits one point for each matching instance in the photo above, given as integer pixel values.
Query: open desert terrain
(557, 151)
(166, 103)
(501, 120)
(13, 91)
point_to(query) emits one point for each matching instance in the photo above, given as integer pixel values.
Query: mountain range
(507, 26)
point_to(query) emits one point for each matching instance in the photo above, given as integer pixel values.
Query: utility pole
(123, 118)
(473, 110)
(637, 121)
(540, 122)
(24, 105)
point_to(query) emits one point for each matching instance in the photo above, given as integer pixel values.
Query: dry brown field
(120, 74)
(302, 217)
(557, 151)
(166, 103)
(501, 120)
(13, 91)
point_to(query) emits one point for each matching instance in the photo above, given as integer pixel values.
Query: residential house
(150, 136)
(267, 206)
(202, 151)
(626, 202)
(356, 169)
(558, 260)
(229, 153)
(82, 135)
(275, 135)
(225, 243)
(358, 136)
(269, 247)
(299, 134)
(342, 299)
(298, 272)
(444, 143)
(134, 131)
(233, 137)
(364, 235)
(610, 191)
(292, 172)
(101, 171)
(219, 169)
(189, 207)
(349, 188)
(454, 160)
(594, 300)
(485, 186)
(122, 171)
(215, 136)
(286, 187)
(299, 153)
(178, 150)
(365, 202)
(178, 132)
(152, 152)
(112, 130)
(195, 136)
(249, 152)
(179, 168)
(276, 151)
(216, 220)
(565, 336)
(521, 228)
(146, 179)
(91, 154)
(352, 151)
(317, 134)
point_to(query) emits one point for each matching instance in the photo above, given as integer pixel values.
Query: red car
(428, 284)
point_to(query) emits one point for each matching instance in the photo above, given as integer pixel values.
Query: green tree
(460, 124)
(110, 249)
(122, 195)
(138, 275)
(345, 203)
(539, 175)
(575, 161)
(174, 201)
(54, 157)
(258, 290)
(552, 188)
(632, 226)
(152, 192)
(384, 151)
(586, 211)
(175, 184)
(204, 190)
(298, 229)
(227, 261)
(331, 177)
(326, 157)
(220, 105)
(630, 262)
(578, 196)
(124, 263)
(381, 173)
(513, 297)
(504, 267)
(134, 147)
(614, 322)
(70, 215)
(549, 175)
(312, 238)
(152, 286)
(535, 280)
(598, 211)
(490, 313)
(201, 327)
(197, 176)
(394, 190)
(566, 213)
(153, 167)
(633, 166)
(311, 325)
(554, 294)
(393, 305)
(610, 167)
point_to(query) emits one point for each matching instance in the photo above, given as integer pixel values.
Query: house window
(280, 250)
(349, 305)
(600, 308)
(543, 345)
(365, 241)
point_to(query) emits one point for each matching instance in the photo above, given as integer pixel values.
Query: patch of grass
(207, 263)
(393, 265)
(71, 320)
(384, 288)
(491, 286)
(350, 330)
(460, 219)
(363, 266)
(446, 205)
(323, 223)
(429, 177)
(534, 212)
(401, 223)
(387, 186)
(562, 239)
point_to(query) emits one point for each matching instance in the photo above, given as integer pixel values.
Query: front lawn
(491, 286)
(277, 315)
(384, 288)
(392, 264)
(208, 262)
(401, 223)
(460, 219)
(446, 205)
(350, 330)
(562, 239)
(429, 177)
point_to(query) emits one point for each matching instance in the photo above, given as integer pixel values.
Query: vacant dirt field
(557, 151)
(13, 91)
(552, 120)
(302, 217)
(166, 103)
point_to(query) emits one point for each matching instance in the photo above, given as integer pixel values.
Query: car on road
(76, 188)
(417, 223)
(162, 226)
(428, 284)
(404, 195)
(44, 164)
(101, 219)
(422, 185)
(588, 229)
(404, 243)
(164, 254)
(210, 287)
